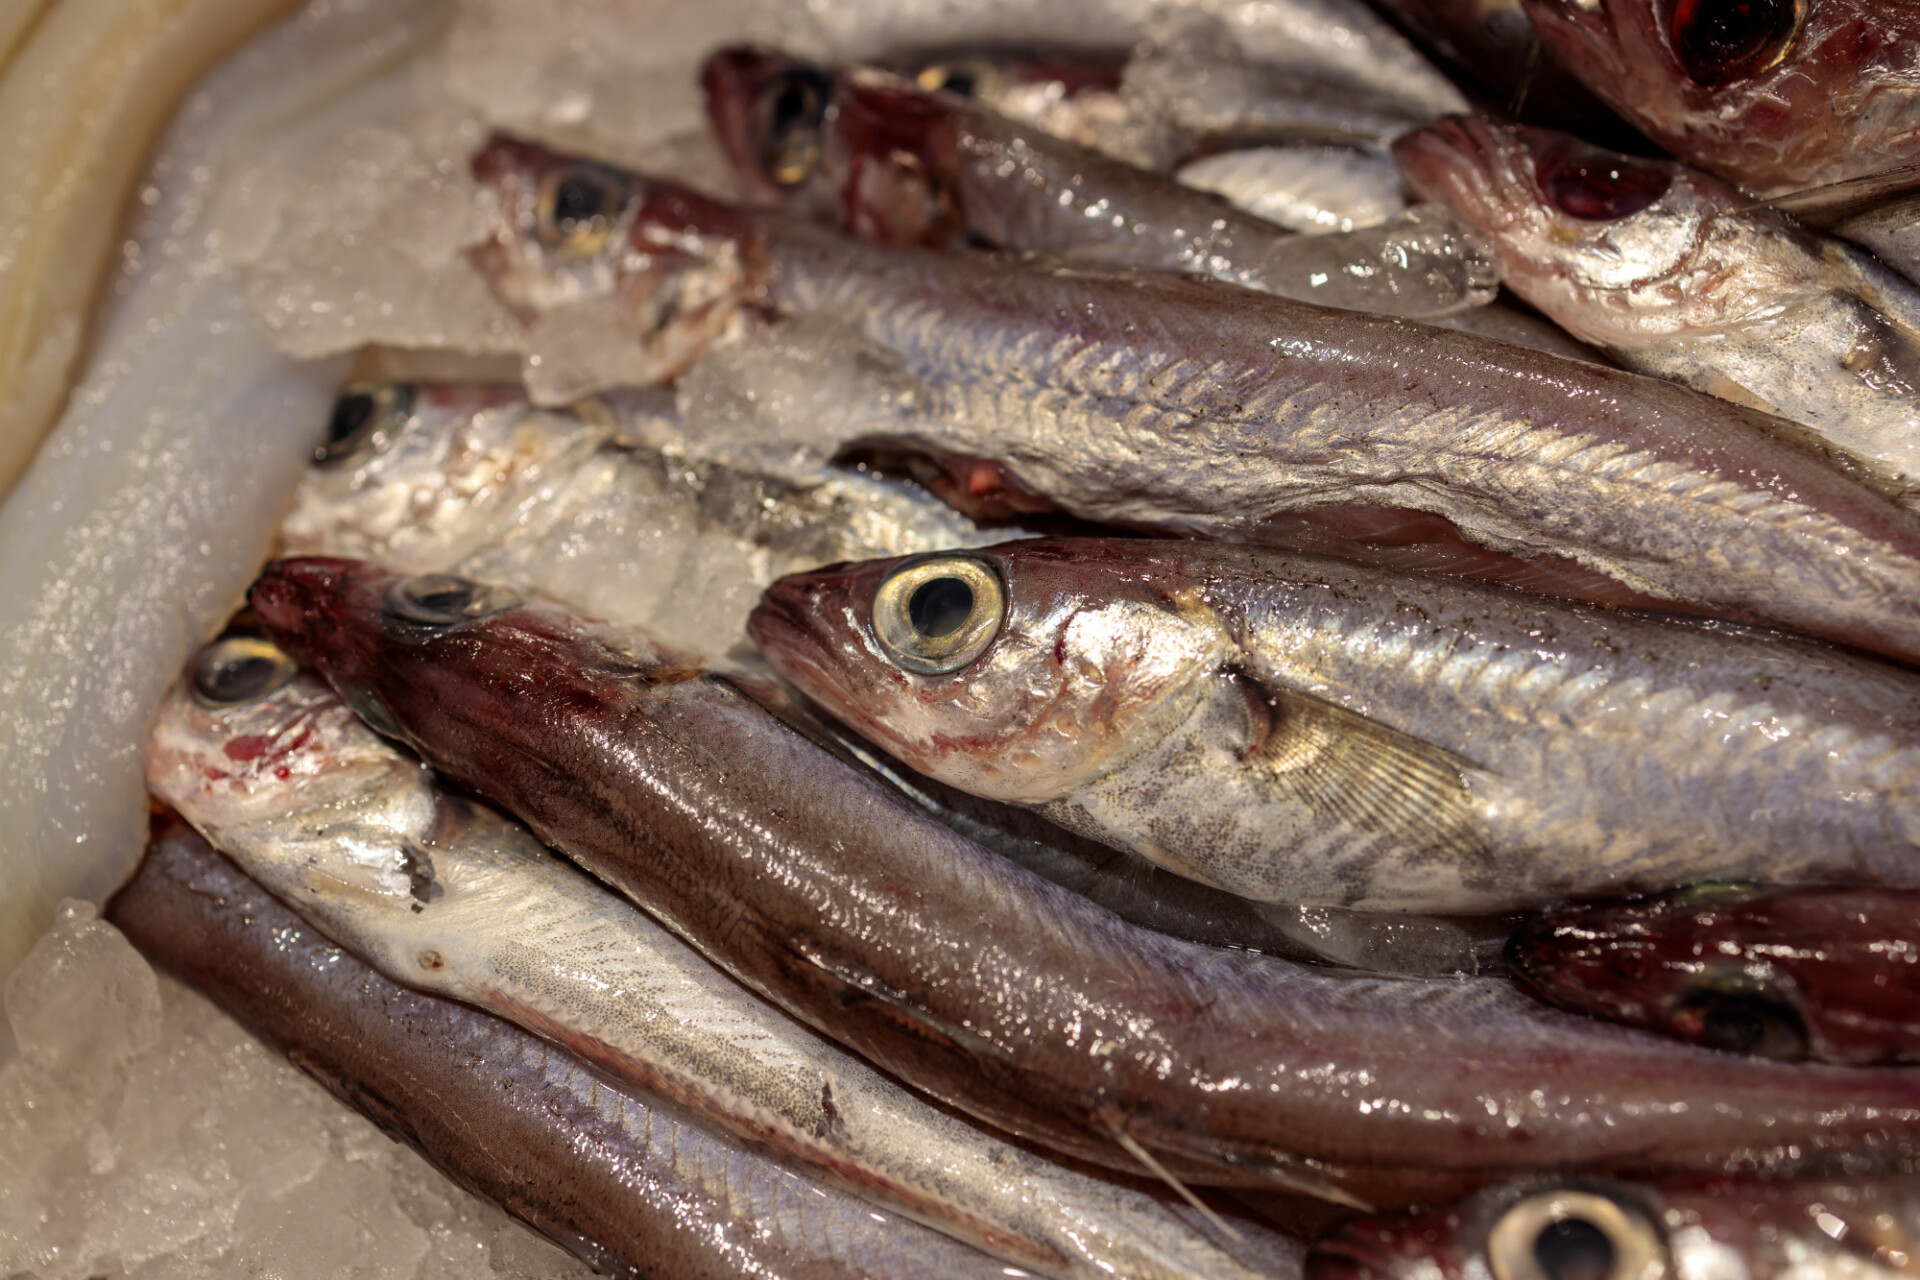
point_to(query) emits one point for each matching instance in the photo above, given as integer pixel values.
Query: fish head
(1618, 249)
(1777, 95)
(420, 476)
(245, 738)
(860, 149)
(676, 268)
(1832, 974)
(1015, 672)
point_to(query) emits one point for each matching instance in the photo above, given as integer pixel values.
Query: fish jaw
(1070, 688)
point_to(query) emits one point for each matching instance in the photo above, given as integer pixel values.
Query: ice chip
(83, 1002)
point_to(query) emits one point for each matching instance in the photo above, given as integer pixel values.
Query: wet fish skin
(1774, 96)
(1680, 275)
(1741, 1229)
(1303, 730)
(358, 837)
(1009, 997)
(1828, 974)
(629, 1185)
(900, 165)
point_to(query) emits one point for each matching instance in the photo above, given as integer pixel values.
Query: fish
(1829, 974)
(997, 992)
(1678, 274)
(1311, 190)
(359, 838)
(880, 158)
(1775, 95)
(1305, 730)
(1155, 402)
(607, 503)
(1588, 1229)
(627, 1183)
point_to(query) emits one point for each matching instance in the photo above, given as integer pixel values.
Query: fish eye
(579, 208)
(443, 600)
(795, 106)
(364, 416)
(962, 76)
(935, 616)
(1570, 1234)
(1720, 41)
(1754, 1021)
(238, 669)
(1599, 186)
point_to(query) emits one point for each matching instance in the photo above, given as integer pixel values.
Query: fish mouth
(1457, 161)
(299, 602)
(1341, 1256)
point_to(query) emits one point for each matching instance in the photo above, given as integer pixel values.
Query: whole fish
(880, 158)
(1579, 1229)
(630, 1185)
(1678, 274)
(1000, 993)
(354, 834)
(1776, 95)
(599, 504)
(1159, 402)
(1296, 729)
(1830, 974)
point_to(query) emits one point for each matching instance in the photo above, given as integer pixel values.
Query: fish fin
(1825, 205)
(1160, 1171)
(1366, 775)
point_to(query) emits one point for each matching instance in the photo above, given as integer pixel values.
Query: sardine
(358, 838)
(883, 159)
(1158, 402)
(1776, 95)
(630, 1185)
(1004, 995)
(1830, 974)
(1730, 1229)
(1296, 729)
(1678, 274)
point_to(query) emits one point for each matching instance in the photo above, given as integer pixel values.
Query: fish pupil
(940, 607)
(1574, 1249)
(798, 100)
(1754, 1025)
(961, 81)
(1718, 41)
(350, 413)
(1599, 187)
(578, 202)
(239, 670)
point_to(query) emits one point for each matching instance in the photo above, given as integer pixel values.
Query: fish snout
(300, 601)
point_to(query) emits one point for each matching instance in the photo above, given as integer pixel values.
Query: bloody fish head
(671, 265)
(863, 150)
(1830, 974)
(1775, 94)
(1017, 671)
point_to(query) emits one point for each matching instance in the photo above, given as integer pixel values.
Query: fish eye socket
(1721, 41)
(795, 109)
(1572, 1234)
(443, 600)
(579, 208)
(238, 669)
(365, 416)
(1755, 1022)
(1599, 186)
(935, 616)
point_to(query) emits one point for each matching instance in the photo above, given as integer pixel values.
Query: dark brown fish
(1006, 995)
(627, 1184)
(1827, 974)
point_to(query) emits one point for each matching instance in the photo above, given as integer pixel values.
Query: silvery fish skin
(629, 1184)
(1157, 402)
(1306, 730)
(1726, 1229)
(1678, 274)
(600, 504)
(883, 159)
(1831, 974)
(1004, 995)
(359, 838)
(1776, 95)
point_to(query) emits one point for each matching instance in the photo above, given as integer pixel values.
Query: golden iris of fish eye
(239, 669)
(568, 231)
(1513, 1246)
(935, 616)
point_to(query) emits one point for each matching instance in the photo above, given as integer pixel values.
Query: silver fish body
(1678, 274)
(451, 898)
(1303, 730)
